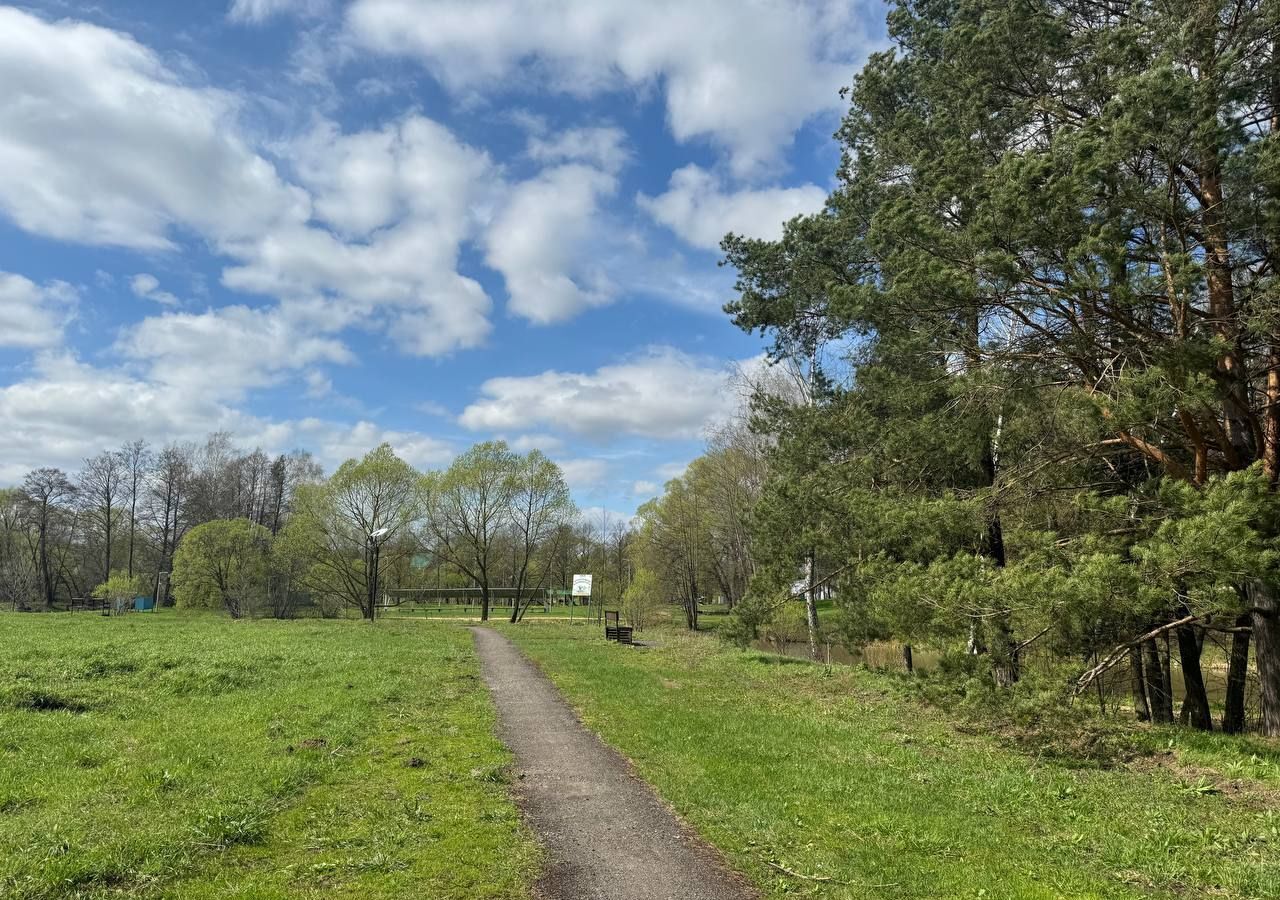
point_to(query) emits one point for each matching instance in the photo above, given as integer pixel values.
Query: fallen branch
(785, 871)
(1118, 654)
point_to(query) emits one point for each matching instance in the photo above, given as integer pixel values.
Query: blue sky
(327, 224)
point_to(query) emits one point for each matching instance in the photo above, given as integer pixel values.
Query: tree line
(1038, 323)
(494, 519)
(127, 510)
(210, 526)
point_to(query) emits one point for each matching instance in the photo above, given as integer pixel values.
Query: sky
(324, 225)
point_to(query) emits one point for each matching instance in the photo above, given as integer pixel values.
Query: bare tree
(540, 504)
(167, 492)
(46, 493)
(138, 459)
(101, 489)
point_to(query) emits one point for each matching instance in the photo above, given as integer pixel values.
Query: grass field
(170, 756)
(860, 793)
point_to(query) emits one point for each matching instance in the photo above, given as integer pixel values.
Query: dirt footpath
(605, 833)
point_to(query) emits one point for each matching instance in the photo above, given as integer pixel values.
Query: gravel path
(605, 833)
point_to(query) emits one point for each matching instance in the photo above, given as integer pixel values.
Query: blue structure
(144, 603)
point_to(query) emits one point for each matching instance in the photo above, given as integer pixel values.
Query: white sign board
(582, 585)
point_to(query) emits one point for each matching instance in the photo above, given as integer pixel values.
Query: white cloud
(432, 408)
(604, 147)
(223, 352)
(583, 474)
(319, 385)
(261, 10)
(32, 315)
(663, 394)
(540, 242)
(598, 517)
(745, 75)
(100, 143)
(668, 471)
(645, 489)
(547, 443)
(400, 202)
(66, 410)
(334, 443)
(701, 212)
(147, 287)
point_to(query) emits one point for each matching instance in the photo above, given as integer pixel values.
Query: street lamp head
(380, 533)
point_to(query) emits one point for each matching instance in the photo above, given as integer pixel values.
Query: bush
(120, 589)
(743, 626)
(642, 598)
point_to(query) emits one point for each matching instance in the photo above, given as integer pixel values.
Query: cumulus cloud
(540, 243)
(398, 202)
(147, 287)
(224, 352)
(744, 75)
(33, 315)
(662, 394)
(547, 443)
(260, 10)
(603, 146)
(101, 144)
(698, 209)
(335, 443)
(583, 474)
(645, 489)
(66, 409)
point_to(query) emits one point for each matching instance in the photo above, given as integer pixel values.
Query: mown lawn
(832, 775)
(158, 755)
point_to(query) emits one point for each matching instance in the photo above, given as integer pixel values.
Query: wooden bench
(613, 631)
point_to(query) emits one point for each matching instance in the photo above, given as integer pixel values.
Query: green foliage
(1038, 316)
(642, 598)
(327, 542)
(121, 587)
(222, 564)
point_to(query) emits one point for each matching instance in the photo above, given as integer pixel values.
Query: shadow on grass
(777, 659)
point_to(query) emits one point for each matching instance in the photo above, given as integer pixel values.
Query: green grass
(833, 775)
(170, 756)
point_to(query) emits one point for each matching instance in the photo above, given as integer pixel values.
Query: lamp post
(373, 550)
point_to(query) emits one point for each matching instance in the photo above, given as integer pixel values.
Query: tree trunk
(1140, 708)
(1237, 677)
(484, 603)
(1166, 672)
(1006, 668)
(1266, 639)
(45, 574)
(1159, 697)
(811, 605)
(1195, 703)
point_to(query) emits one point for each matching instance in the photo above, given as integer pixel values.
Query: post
(377, 552)
(906, 658)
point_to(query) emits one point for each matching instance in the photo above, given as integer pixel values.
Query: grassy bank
(860, 793)
(157, 755)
